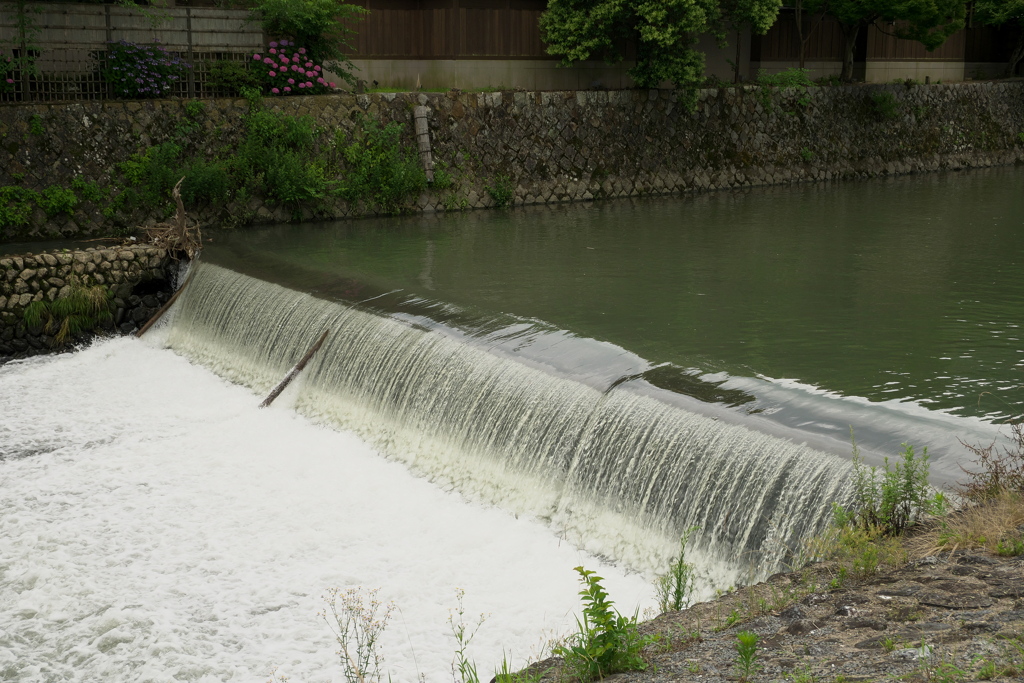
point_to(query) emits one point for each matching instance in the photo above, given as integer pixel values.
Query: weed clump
(606, 642)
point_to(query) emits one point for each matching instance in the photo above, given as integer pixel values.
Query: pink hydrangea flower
(272, 44)
(291, 81)
(285, 43)
(309, 65)
(282, 68)
(316, 68)
(331, 84)
(302, 50)
(10, 80)
(287, 89)
(275, 91)
(321, 81)
(272, 73)
(257, 57)
(273, 51)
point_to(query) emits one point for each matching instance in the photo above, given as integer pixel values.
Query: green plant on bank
(81, 310)
(357, 619)
(1020, 137)
(17, 203)
(35, 125)
(606, 642)
(806, 154)
(746, 655)
(379, 169)
(675, 587)
(88, 191)
(506, 674)
(788, 78)
(463, 668)
(231, 76)
(805, 675)
(890, 500)
(885, 106)
(502, 191)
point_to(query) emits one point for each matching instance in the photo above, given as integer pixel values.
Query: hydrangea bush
(137, 71)
(287, 69)
(7, 67)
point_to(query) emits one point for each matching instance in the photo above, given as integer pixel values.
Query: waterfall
(619, 473)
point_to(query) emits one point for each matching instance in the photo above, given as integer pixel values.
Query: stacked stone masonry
(137, 277)
(552, 146)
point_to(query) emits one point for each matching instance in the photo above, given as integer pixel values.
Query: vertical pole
(191, 55)
(110, 38)
(23, 45)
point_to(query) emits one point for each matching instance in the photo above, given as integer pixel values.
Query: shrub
(230, 77)
(152, 174)
(1001, 469)
(15, 206)
(289, 70)
(675, 587)
(885, 105)
(606, 642)
(139, 71)
(89, 191)
(380, 170)
(319, 25)
(788, 78)
(205, 182)
(275, 158)
(502, 191)
(54, 200)
(893, 499)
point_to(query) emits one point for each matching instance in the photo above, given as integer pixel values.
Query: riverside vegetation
(930, 617)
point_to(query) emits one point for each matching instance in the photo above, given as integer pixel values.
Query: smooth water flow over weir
(619, 473)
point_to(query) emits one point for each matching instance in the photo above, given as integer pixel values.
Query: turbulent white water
(156, 526)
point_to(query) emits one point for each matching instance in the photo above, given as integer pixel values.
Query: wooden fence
(450, 29)
(67, 42)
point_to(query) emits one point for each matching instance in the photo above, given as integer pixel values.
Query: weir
(618, 473)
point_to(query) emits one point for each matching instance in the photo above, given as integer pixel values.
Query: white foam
(157, 526)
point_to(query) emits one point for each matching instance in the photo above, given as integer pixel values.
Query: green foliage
(1020, 136)
(806, 154)
(82, 310)
(230, 76)
(54, 200)
(16, 206)
(664, 33)
(502, 191)
(787, 78)
(380, 170)
(885, 105)
(746, 655)
(1004, 13)
(89, 191)
(606, 642)
(675, 587)
(35, 125)
(151, 175)
(194, 108)
(893, 499)
(318, 25)
(205, 182)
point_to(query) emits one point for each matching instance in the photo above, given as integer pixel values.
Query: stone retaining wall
(137, 277)
(546, 146)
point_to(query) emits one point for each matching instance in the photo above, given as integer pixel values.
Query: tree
(756, 15)
(664, 34)
(804, 32)
(929, 22)
(1004, 13)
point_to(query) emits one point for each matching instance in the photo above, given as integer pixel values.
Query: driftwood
(166, 306)
(294, 371)
(178, 236)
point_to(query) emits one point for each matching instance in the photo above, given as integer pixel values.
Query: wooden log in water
(294, 371)
(166, 306)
